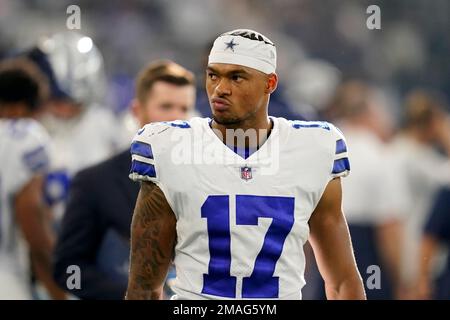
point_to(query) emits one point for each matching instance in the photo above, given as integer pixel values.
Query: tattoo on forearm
(153, 239)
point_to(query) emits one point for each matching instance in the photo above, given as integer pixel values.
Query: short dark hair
(21, 82)
(162, 70)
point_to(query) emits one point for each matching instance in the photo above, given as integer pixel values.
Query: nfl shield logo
(246, 173)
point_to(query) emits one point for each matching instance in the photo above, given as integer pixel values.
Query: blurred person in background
(433, 283)
(371, 209)
(26, 237)
(82, 130)
(96, 226)
(422, 149)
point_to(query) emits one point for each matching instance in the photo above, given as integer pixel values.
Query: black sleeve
(438, 223)
(79, 240)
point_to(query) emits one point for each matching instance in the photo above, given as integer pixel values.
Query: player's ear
(272, 83)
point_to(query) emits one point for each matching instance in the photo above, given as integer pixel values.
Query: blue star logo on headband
(231, 45)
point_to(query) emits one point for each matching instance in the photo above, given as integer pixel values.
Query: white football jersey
(23, 154)
(76, 145)
(241, 222)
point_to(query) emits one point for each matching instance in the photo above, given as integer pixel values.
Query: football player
(233, 199)
(24, 220)
(82, 130)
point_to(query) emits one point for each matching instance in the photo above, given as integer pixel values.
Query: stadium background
(411, 48)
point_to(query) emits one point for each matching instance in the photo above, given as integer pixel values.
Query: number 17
(261, 283)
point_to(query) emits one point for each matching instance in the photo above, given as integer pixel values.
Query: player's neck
(251, 133)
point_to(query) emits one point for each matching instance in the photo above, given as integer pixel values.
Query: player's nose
(223, 88)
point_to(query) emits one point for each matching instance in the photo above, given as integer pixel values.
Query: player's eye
(237, 78)
(212, 76)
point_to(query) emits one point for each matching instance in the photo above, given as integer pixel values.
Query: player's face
(167, 102)
(236, 93)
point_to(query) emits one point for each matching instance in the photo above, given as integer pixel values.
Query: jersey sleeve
(143, 160)
(31, 154)
(341, 162)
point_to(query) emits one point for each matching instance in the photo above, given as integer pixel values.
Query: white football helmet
(77, 65)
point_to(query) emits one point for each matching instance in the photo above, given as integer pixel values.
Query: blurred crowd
(71, 101)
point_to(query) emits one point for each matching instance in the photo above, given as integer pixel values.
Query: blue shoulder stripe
(37, 159)
(143, 169)
(340, 146)
(341, 165)
(297, 124)
(178, 124)
(142, 149)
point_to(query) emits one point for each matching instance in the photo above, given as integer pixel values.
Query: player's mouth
(220, 104)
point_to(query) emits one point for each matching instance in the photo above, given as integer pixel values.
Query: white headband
(246, 48)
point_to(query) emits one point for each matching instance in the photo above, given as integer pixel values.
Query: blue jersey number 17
(261, 283)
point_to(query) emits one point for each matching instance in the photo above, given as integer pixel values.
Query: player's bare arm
(33, 219)
(330, 240)
(153, 237)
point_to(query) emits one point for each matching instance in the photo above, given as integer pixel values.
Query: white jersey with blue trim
(23, 153)
(76, 145)
(241, 222)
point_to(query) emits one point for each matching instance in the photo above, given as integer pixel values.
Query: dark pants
(442, 284)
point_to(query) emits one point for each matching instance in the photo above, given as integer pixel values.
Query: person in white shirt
(83, 131)
(422, 169)
(25, 230)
